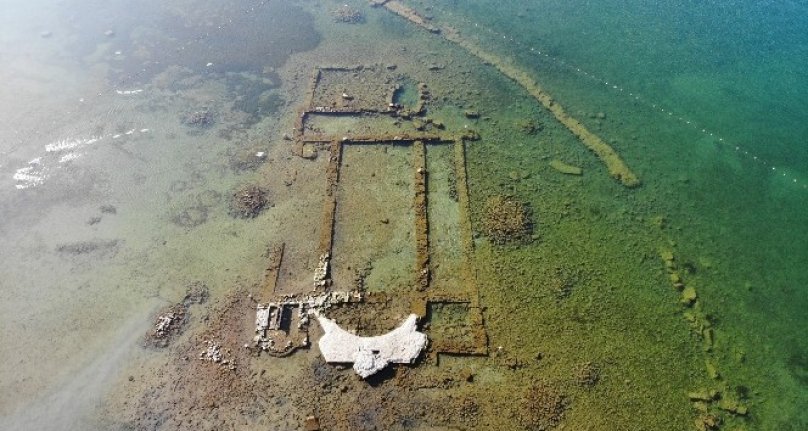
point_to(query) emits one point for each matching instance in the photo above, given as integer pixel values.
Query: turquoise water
(732, 69)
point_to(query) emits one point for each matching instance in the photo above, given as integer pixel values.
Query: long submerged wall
(616, 166)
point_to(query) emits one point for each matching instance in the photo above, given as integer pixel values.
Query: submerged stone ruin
(370, 355)
(285, 309)
(359, 95)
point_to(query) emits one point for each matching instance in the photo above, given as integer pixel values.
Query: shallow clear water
(124, 131)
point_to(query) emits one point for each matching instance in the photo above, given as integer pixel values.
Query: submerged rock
(167, 325)
(202, 119)
(689, 296)
(348, 15)
(565, 168)
(506, 219)
(248, 201)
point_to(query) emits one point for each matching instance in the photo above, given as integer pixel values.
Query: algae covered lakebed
(596, 213)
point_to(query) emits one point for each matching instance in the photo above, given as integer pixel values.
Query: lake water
(125, 130)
